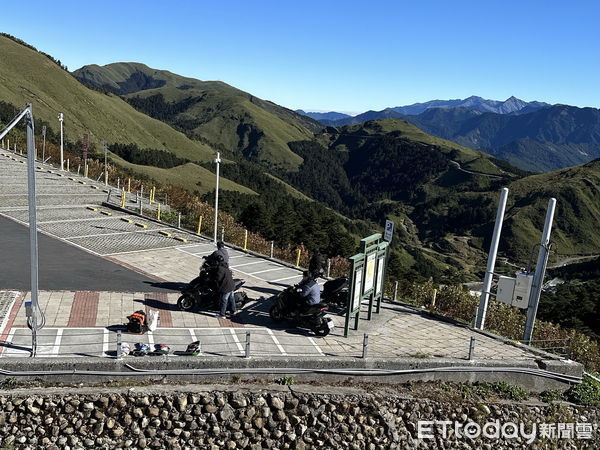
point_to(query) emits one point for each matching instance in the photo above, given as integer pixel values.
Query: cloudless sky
(336, 55)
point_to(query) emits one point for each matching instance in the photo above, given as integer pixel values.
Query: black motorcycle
(335, 292)
(202, 293)
(313, 317)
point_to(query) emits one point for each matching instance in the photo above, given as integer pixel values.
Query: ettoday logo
(427, 429)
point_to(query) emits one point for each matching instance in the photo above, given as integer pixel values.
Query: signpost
(367, 279)
(389, 231)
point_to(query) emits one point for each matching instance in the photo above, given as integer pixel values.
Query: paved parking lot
(85, 322)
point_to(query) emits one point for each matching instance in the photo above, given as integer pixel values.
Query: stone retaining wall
(231, 417)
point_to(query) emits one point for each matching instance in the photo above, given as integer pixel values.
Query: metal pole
(141, 199)
(471, 348)
(33, 242)
(105, 163)
(119, 342)
(540, 272)
(395, 291)
(365, 353)
(223, 234)
(44, 144)
(178, 220)
(491, 264)
(60, 119)
(247, 354)
(328, 267)
(272, 248)
(217, 162)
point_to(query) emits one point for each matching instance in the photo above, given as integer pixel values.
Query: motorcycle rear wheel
(322, 329)
(276, 314)
(185, 303)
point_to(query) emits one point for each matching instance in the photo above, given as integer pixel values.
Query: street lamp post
(217, 162)
(105, 163)
(60, 119)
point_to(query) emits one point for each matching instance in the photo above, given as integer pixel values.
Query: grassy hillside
(26, 76)
(189, 176)
(211, 111)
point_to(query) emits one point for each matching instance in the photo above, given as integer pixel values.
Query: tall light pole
(34, 322)
(44, 144)
(60, 119)
(105, 164)
(217, 162)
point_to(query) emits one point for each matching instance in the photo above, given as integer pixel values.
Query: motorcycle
(335, 292)
(201, 292)
(312, 317)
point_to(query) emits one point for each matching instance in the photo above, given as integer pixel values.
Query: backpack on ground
(137, 323)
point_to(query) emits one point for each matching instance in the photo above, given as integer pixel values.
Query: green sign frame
(368, 270)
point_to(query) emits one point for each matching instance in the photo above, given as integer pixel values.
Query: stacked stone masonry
(240, 417)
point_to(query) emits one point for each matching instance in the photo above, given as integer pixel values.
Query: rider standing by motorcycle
(225, 287)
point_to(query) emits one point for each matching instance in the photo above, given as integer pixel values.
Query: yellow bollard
(158, 211)
(129, 185)
(432, 306)
(298, 259)
(199, 225)
(245, 239)
(123, 198)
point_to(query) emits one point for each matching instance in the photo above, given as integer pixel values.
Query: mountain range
(321, 185)
(533, 136)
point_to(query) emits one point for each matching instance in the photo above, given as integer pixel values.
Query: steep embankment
(212, 111)
(27, 76)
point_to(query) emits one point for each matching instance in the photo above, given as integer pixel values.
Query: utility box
(515, 291)
(522, 290)
(506, 289)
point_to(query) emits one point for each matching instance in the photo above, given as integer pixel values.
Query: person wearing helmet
(222, 251)
(225, 287)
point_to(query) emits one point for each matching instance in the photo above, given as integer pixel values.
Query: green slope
(26, 76)
(211, 111)
(189, 176)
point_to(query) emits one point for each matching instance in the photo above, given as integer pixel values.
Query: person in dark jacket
(221, 250)
(225, 288)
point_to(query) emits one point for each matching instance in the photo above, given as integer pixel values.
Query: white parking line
(236, 340)
(87, 219)
(312, 341)
(270, 270)
(115, 234)
(57, 341)
(276, 341)
(288, 278)
(248, 264)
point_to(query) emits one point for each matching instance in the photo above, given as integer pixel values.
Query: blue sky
(336, 55)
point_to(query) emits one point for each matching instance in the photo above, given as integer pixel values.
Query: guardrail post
(179, 220)
(119, 342)
(365, 352)
(247, 355)
(272, 248)
(472, 348)
(395, 291)
(199, 225)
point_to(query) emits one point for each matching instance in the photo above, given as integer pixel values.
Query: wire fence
(255, 342)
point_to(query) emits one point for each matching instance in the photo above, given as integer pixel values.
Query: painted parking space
(102, 342)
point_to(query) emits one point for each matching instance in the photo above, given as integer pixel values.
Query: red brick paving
(155, 301)
(84, 309)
